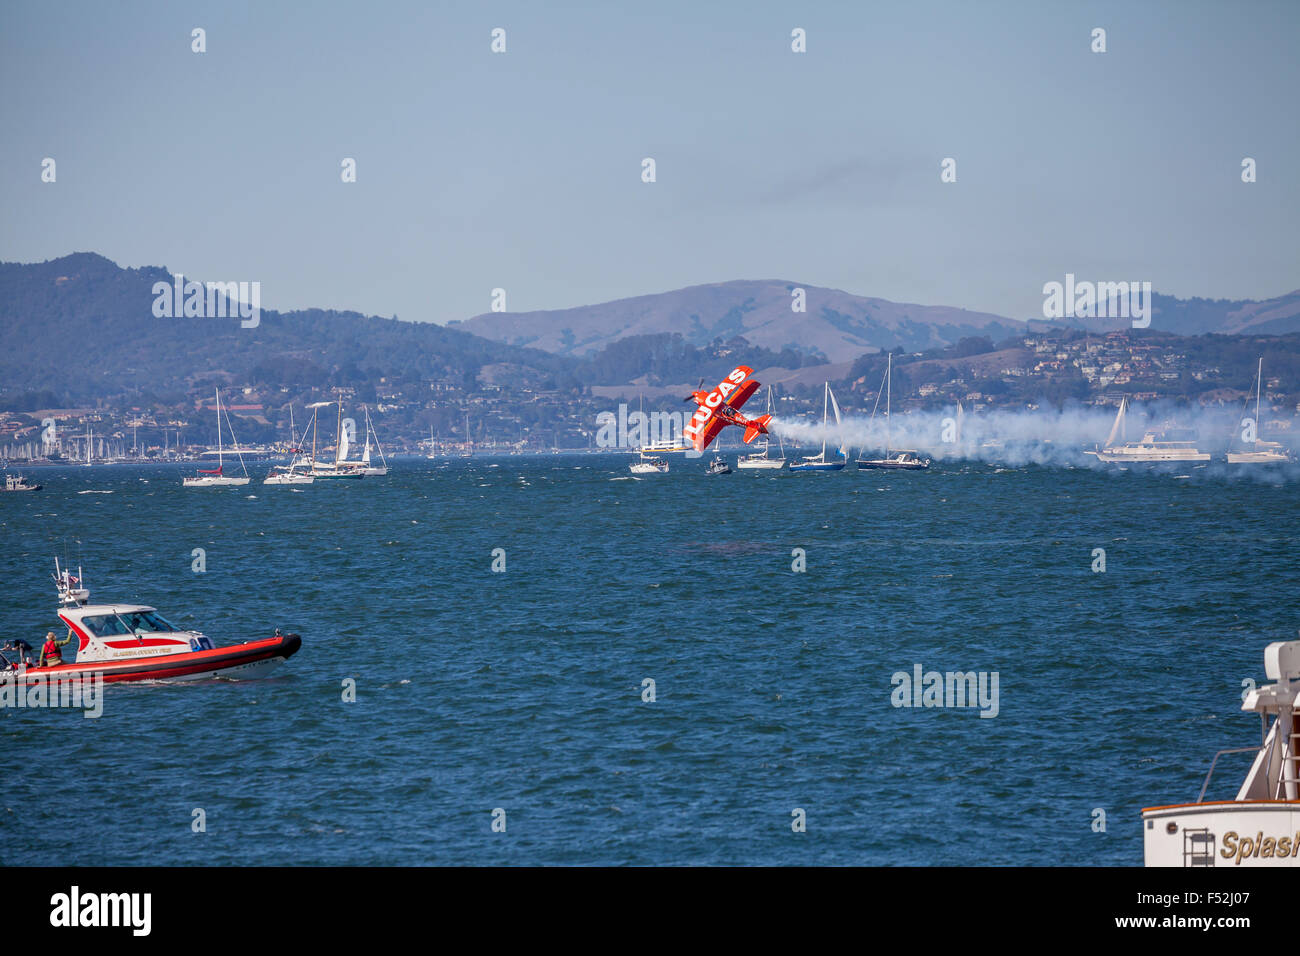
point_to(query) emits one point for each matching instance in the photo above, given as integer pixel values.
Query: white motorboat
(667, 446)
(1152, 449)
(19, 483)
(1260, 826)
(217, 478)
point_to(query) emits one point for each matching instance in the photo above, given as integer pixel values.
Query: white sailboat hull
(764, 464)
(816, 465)
(219, 480)
(213, 481)
(1257, 457)
(288, 480)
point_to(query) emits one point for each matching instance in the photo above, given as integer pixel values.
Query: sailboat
(1150, 450)
(649, 465)
(340, 467)
(213, 479)
(820, 462)
(1263, 452)
(364, 466)
(902, 459)
(290, 475)
(763, 459)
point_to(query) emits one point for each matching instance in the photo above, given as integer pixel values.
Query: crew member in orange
(50, 655)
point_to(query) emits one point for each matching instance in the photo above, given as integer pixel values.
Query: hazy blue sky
(523, 170)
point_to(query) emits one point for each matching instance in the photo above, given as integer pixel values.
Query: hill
(836, 326)
(84, 327)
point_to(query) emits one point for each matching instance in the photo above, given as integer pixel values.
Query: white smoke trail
(1046, 436)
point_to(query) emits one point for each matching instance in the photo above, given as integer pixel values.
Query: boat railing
(1279, 780)
(1231, 750)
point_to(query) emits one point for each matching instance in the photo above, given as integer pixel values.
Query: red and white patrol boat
(133, 642)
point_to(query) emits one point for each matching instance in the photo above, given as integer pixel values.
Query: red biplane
(720, 408)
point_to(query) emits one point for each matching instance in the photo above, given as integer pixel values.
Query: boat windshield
(150, 621)
(134, 622)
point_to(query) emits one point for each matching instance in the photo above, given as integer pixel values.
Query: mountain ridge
(837, 325)
(86, 325)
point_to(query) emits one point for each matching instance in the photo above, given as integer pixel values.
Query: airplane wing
(734, 390)
(741, 395)
(710, 432)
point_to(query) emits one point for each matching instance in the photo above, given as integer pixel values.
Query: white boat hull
(214, 482)
(1229, 834)
(1257, 458)
(288, 480)
(1151, 458)
(815, 465)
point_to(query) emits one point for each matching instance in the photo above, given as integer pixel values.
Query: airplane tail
(757, 427)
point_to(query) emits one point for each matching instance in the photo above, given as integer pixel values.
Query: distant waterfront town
(432, 417)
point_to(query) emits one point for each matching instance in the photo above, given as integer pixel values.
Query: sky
(523, 170)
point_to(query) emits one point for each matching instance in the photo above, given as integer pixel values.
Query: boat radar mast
(71, 593)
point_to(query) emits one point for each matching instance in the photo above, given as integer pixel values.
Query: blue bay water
(522, 690)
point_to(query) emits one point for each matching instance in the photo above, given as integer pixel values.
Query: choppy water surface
(523, 690)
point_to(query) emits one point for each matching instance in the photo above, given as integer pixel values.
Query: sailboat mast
(338, 435)
(889, 396)
(218, 394)
(365, 458)
(826, 399)
(1259, 381)
(767, 438)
